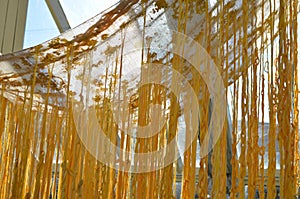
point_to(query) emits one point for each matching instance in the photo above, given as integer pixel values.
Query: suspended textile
(156, 99)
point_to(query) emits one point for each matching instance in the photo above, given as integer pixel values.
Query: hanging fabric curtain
(156, 99)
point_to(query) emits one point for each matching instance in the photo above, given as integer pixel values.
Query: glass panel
(40, 25)
(78, 12)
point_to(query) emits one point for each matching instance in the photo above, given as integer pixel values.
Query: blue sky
(41, 27)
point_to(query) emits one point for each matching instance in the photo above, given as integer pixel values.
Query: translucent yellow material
(100, 65)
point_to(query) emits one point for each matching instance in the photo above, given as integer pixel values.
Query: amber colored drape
(254, 45)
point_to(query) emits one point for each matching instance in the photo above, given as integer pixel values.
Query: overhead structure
(13, 15)
(58, 15)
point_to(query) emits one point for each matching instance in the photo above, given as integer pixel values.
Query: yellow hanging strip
(244, 105)
(204, 103)
(219, 156)
(262, 102)
(40, 167)
(189, 174)
(21, 185)
(294, 50)
(272, 112)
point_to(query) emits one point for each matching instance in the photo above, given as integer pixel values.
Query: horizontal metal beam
(58, 15)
